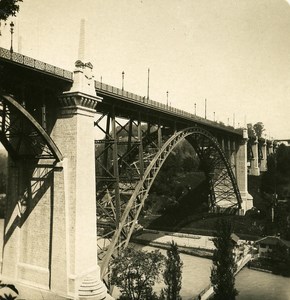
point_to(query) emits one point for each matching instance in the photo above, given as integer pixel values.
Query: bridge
(64, 178)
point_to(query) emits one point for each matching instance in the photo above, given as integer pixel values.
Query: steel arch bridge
(126, 167)
(124, 177)
(21, 134)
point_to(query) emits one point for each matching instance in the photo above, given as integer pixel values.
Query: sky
(234, 53)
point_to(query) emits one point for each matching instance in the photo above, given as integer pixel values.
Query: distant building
(267, 244)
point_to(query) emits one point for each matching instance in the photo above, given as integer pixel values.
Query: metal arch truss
(124, 177)
(224, 193)
(21, 135)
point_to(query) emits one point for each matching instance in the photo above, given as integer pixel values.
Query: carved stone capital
(73, 99)
(78, 103)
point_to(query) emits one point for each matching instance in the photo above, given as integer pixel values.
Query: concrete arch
(21, 135)
(143, 186)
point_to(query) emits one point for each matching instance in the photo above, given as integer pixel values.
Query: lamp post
(214, 116)
(195, 109)
(11, 31)
(123, 74)
(148, 76)
(167, 99)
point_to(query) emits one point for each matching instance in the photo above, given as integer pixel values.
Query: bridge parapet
(29, 62)
(109, 90)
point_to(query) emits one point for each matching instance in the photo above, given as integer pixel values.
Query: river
(251, 284)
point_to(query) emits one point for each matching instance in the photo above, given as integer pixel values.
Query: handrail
(34, 63)
(100, 86)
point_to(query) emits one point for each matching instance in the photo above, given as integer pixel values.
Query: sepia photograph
(145, 149)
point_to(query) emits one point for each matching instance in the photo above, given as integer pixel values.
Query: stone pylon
(50, 249)
(74, 134)
(242, 173)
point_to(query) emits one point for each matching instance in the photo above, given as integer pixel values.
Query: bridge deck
(111, 93)
(37, 65)
(124, 97)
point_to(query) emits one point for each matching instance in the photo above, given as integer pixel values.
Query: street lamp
(167, 99)
(11, 31)
(148, 75)
(123, 74)
(195, 109)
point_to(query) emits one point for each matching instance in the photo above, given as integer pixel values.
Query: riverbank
(196, 245)
(200, 252)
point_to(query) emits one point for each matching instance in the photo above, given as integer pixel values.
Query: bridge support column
(74, 253)
(271, 148)
(74, 271)
(241, 173)
(254, 169)
(263, 165)
(50, 247)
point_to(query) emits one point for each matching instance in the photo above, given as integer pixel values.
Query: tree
(251, 131)
(283, 160)
(8, 8)
(224, 266)
(135, 272)
(8, 296)
(280, 258)
(259, 128)
(172, 274)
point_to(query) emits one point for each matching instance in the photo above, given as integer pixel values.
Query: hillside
(190, 215)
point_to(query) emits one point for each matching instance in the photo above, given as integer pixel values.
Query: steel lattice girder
(223, 186)
(128, 174)
(134, 192)
(21, 135)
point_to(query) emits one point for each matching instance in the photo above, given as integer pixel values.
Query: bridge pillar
(241, 173)
(271, 148)
(74, 269)
(50, 247)
(263, 165)
(254, 169)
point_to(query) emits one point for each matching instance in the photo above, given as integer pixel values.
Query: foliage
(251, 131)
(256, 129)
(135, 272)
(2, 206)
(8, 8)
(282, 212)
(224, 266)
(275, 184)
(283, 160)
(172, 274)
(8, 296)
(259, 128)
(280, 259)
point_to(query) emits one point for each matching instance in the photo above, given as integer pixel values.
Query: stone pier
(50, 249)
(242, 173)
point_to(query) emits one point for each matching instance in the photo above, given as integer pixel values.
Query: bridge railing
(168, 108)
(34, 63)
(111, 89)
